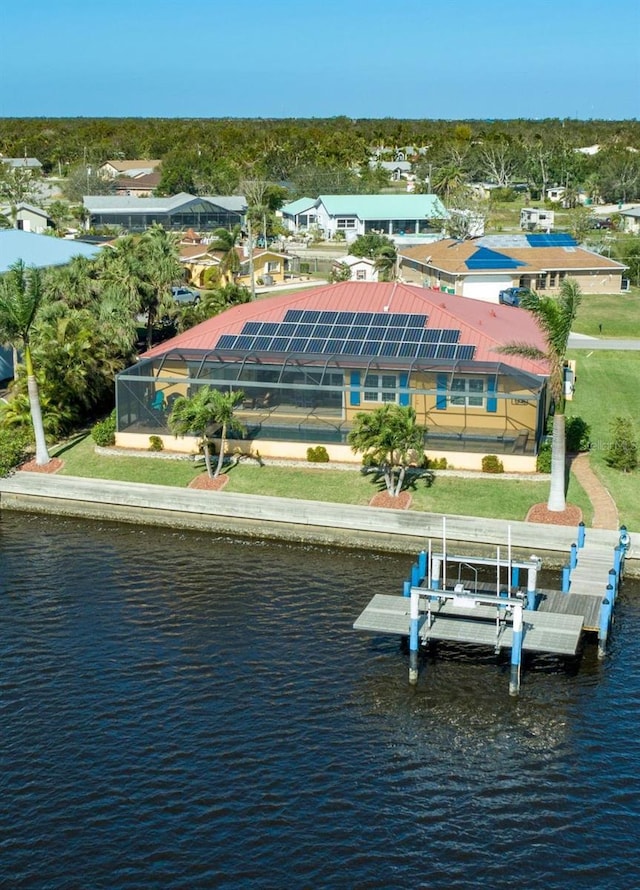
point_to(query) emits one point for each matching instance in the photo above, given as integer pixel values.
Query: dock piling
(413, 637)
(516, 651)
(581, 534)
(566, 578)
(532, 581)
(573, 560)
(605, 620)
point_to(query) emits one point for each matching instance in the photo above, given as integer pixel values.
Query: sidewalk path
(605, 512)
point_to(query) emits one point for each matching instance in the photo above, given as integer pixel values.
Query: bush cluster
(103, 432)
(436, 463)
(318, 455)
(14, 444)
(543, 460)
(492, 464)
(155, 443)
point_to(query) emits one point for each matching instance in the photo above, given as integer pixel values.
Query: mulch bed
(206, 483)
(53, 466)
(384, 499)
(540, 513)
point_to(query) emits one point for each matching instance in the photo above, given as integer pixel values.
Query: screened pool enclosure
(309, 397)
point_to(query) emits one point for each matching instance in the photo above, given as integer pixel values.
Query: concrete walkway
(605, 512)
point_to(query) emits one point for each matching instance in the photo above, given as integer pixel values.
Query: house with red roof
(309, 362)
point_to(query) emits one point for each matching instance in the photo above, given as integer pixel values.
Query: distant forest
(215, 155)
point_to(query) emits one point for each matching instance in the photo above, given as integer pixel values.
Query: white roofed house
(406, 218)
(362, 268)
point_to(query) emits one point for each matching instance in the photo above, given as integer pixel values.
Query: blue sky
(320, 58)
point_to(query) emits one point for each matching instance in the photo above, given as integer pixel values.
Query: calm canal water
(181, 710)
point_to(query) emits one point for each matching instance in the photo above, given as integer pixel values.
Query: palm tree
(390, 438)
(226, 241)
(385, 260)
(554, 315)
(200, 413)
(21, 295)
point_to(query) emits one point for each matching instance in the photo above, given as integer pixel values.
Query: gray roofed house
(631, 220)
(30, 163)
(176, 213)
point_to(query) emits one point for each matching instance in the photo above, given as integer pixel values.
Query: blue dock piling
(422, 564)
(435, 573)
(515, 576)
(566, 578)
(413, 637)
(516, 651)
(573, 560)
(605, 620)
(406, 588)
(581, 534)
(613, 583)
(532, 582)
(415, 575)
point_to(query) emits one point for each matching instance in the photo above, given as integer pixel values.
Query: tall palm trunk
(557, 502)
(42, 453)
(223, 439)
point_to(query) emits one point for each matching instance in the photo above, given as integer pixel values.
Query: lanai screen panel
(370, 334)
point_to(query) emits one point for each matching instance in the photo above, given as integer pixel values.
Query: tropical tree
(204, 413)
(21, 295)
(389, 438)
(554, 315)
(225, 241)
(385, 262)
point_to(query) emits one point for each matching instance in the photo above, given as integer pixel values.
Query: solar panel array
(553, 239)
(388, 334)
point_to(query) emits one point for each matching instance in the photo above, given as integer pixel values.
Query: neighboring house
(397, 216)
(177, 213)
(483, 267)
(21, 163)
(139, 186)
(309, 362)
(197, 262)
(129, 169)
(556, 193)
(536, 218)
(397, 170)
(269, 266)
(39, 251)
(631, 220)
(300, 215)
(30, 218)
(362, 268)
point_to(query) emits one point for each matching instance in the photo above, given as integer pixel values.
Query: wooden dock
(502, 614)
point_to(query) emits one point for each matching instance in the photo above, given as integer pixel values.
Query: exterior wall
(631, 224)
(274, 450)
(31, 222)
(260, 269)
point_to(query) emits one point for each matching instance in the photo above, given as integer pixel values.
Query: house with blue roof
(481, 267)
(406, 218)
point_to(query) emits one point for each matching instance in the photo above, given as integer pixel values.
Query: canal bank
(303, 521)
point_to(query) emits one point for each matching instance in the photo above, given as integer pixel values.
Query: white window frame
(346, 222)
(470, 392)
(374, 384)
(361, 274)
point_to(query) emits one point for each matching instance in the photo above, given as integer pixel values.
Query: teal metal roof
(40, 250)
(385, 206)
(298, 206)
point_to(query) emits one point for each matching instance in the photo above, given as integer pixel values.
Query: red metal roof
(487, 326)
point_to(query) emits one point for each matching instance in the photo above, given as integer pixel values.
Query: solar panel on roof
(261, 343)
(244, 342)
(407, 350)
(416, 321)
(252, 327)
(389, 350)
(322, 330)
(294, 314)
(413, 335)
(298, 344)
(328, 317)
(450, 336)
(335, 346)
(270, 327)
(280, 344)
(426, 350)
(226, 341)
(465, 353)
(445, 350)
(345, 317)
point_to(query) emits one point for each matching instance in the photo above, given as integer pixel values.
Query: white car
(185, 295)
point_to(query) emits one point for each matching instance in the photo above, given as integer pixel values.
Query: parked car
(602, 223)
(511, 296)
(185, 295)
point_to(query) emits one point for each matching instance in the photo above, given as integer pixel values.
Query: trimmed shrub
(577, 434)
(318, 455)
(543, 460)
(437, 463)
(622, 453)
(14, 444)
(103, 432)
(492, 464)
(156, 443)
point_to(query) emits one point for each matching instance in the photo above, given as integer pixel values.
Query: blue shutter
(441, 387)
(404, 396)
(354, 395)
(492, 403)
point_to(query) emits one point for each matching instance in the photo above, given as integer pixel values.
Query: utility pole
(252, 276)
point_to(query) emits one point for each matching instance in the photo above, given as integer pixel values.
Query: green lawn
(607, 386)
(619, 315)
(492, 497)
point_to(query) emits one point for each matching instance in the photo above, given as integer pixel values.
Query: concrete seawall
(282, 518)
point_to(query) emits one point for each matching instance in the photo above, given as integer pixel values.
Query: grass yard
(619, 315)
(487, 496)
(607, 387)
